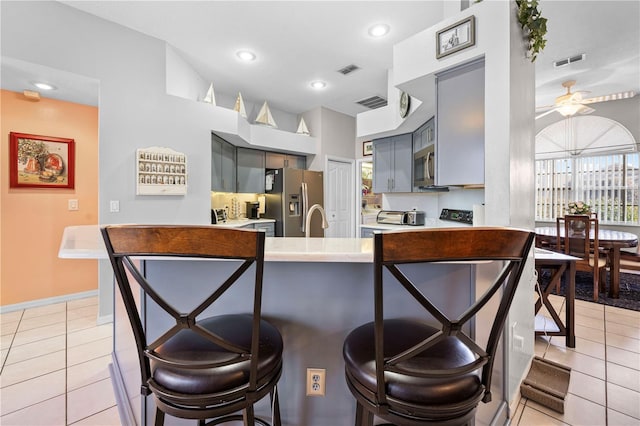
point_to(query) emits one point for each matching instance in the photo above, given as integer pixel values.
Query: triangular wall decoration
(239, 107)
(210, 97)
(302, 128)
(265, 117)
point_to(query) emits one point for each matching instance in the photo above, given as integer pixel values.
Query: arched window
(591, 159)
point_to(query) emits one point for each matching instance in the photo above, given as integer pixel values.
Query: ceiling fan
(571, 103)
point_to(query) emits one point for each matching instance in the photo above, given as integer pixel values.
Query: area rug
(629, 290)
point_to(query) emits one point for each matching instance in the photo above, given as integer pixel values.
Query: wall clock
(405, 104)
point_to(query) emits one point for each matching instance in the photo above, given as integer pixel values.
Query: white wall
(335, 133)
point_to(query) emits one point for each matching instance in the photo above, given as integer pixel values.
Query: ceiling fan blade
(611, 97)
(585, 110)
(546, 113)
(545, 107)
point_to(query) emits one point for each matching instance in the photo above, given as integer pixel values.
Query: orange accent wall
(32, 220)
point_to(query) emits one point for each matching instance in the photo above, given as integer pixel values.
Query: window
(610, 184)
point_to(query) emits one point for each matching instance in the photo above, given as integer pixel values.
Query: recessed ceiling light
(318, 84)
(44, 86)
(246, 55)
(379, 30)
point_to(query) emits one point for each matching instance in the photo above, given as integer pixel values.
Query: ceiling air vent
(570, 60)
(348, 69)
(373, 102)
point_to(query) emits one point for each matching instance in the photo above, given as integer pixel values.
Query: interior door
(339, 199)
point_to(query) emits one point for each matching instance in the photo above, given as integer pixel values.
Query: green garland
(533, 24)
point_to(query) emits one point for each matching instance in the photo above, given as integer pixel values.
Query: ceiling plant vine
(533, 25)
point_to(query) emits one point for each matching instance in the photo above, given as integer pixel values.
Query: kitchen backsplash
(224, 200)
(433, 203)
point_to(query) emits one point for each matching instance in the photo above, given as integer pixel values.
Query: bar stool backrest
(391, 250)
(126, 242)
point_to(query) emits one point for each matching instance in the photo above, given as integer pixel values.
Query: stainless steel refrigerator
(289, 195)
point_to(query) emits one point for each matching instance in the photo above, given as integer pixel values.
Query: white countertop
(85, 242)
(428, 223)
(239, 223)
(539, 253)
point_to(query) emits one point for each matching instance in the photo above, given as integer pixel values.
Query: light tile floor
(55, 368)
(605, 369)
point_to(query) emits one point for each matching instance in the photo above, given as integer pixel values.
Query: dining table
(609, 240)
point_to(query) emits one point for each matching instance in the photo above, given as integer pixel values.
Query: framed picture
(456, 37)
(41, 161)
(367, 148)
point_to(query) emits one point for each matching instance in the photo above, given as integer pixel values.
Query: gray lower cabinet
(366, 232)
(276, 160)
(250, 170)
(460, 128)
(392, 164)
(268, 227)
(223, 165)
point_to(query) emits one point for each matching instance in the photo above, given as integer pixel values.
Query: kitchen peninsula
(316, 290)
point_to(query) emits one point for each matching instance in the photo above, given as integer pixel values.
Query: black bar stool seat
(402, 334)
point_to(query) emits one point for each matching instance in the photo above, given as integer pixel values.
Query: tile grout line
(66, 361)
(13, 338)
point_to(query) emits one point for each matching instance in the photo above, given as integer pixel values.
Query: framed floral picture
(41, 161)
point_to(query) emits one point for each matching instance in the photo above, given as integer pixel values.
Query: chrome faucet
(313, 208)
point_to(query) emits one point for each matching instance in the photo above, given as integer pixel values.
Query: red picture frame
(41, 161)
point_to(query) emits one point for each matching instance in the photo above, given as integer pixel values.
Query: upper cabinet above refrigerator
(460, 125)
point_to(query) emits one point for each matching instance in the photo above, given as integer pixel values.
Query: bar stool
(200, 368)
(410, 373)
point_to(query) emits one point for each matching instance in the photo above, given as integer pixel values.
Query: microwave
(424, 166)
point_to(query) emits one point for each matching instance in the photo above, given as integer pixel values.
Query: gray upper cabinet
(392, 161)
(460, 127)
(223, 165)
(276, 160)
(250, 168)
(425, 135)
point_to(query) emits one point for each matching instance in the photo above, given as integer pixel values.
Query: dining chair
(204, 367)
(408, 372)
(581, 241)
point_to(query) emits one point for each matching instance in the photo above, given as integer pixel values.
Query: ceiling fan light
(569, 110)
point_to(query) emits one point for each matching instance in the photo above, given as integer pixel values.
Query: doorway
(339, 198)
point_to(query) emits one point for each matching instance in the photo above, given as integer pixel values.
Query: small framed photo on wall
(456, 37)
(367, 148)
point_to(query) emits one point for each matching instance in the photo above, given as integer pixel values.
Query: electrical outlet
(114, 206)
(316, 381)
(73, 205)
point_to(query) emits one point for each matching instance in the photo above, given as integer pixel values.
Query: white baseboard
(104, 319)
(48, 301)
(122, 402)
